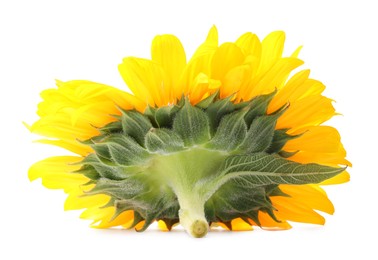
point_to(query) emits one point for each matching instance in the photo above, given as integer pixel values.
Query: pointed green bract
(163, 141)
(135, 125)
(192, 124)
(196, 164)
(230, 133)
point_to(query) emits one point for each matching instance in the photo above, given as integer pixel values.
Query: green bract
(211, 162)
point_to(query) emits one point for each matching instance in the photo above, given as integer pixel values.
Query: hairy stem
(192, 217)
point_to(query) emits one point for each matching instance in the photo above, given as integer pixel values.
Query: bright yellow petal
(58, 173)
(202, 85)
(103, 217)
(292, 210)
(268, 223)
(226, 57)
(167, 51)
(309, 196)
(311, 110)
(320, 139)
(146, 80)
(74, 110)
(274, 78)
(199, 63)
(209, 46)
(298, 87)
(235, 79)
(272, 48)
(77, 200)
(240, 225)
(70, 145)
(338, 179)
(250, 44)
(162, 226)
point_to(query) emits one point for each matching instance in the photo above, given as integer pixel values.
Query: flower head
(226, 138)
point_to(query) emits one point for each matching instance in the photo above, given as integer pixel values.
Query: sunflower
(232, 138)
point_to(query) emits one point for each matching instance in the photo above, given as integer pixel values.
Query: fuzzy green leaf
(263, 169)
(121, 150)
(258, 107)
(231, 132)
(164, 116)
(163, 141)
(192, 124)
(246, 202)
(217, 110)
(205, 103)
(280, 138)
(135, 125)
(260, 134)
(111, 128)
(147, 197)
(95, 167)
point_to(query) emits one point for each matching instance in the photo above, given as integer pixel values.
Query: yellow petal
(199, 63)
(309, 196)
(298, 87)
(146, 80)
(311, 110)
(330, 159)
(234, 80)
(268, 223)
(162, 226)
(272, 48)
(322, 139)
(274, 78)
(73, 110)
(240, 225)
(103, 217)
(338, 179)
(250, 44)
(167, 51)
(210, 44)
(292, 210)
(73, 146)
(77, 200)
(57, 173)
(226, 57)
(202, 85)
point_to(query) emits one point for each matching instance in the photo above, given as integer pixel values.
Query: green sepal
(231, 132)
(135, 124)
(260, 134)
(205, 103)
(162, 140)
(121, 150)
(88, 171)
(280, 138)
(274, 190)
(244, 202)
(285, 154)
(111, 128)
(258, 107)
(164, 115)
(95, 168)
(192, 124)
(217, 110)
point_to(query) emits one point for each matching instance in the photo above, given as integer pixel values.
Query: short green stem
(193, 219)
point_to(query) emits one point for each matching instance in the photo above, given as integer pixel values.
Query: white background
(45, 40)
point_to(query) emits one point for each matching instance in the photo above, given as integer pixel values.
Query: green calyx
(212, 162)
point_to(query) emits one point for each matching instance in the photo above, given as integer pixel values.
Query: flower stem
(192, 218)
